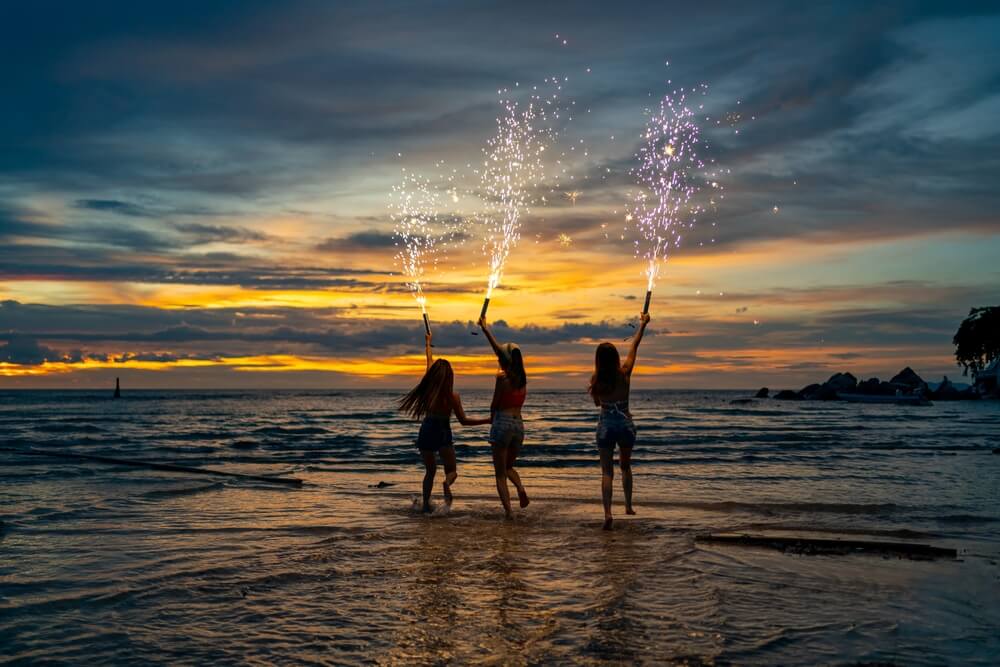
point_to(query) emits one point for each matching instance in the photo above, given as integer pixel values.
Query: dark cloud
(366, 240)
(106, 264)
(112, 206)
(26, 351)
(263, 331)
(198, 233)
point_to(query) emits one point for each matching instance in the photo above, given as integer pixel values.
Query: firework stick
(486, 304)
(427, 326)
(645, 306)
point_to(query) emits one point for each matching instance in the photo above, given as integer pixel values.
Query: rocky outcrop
(909, 382)
(947, 391)
(787, 395)
(907, 376)
(875, 387)
(842, 382)
(904, 383)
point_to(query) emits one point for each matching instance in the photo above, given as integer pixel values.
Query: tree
(977, 341)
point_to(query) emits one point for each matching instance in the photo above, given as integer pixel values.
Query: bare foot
(629, 510)
(522, 495)
(427, 509)
(508, 516)
(449, 479)
(607, 523)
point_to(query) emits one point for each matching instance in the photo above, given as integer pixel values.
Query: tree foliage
(977, 341)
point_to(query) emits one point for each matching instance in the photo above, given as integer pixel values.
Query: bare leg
(625, 460)
(450, 472)
(512, 475)
(500, 472)
(430, 465)
(607, 482)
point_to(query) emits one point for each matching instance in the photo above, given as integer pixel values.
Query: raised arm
(634, 349)
(489, 336)
(427, 350)
(463, 419)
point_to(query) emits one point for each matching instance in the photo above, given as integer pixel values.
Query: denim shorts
(615, 428)
(506, 431)
(435, 434)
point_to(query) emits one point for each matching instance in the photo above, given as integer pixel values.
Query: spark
(572, 196)
(669, 175)
(423, 231)
(565, 240)
(512, 173)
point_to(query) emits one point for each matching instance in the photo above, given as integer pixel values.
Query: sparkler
(669, 174)
(512, 171)
(422, 230)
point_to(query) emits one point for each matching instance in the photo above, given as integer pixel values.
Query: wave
(68, 428)
(963, 518)
(185, 491)
(290, 430)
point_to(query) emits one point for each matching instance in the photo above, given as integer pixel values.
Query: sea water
(103, 563)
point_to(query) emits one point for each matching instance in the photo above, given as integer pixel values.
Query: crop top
(512, 399)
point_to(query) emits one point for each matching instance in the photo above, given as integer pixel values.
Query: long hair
(515, 370)
(435, 388)
(607, 370)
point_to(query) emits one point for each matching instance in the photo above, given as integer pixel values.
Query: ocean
(107, 564)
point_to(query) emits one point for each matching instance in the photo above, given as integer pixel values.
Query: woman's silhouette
(507, 432)
(433, 400)
(609, 387)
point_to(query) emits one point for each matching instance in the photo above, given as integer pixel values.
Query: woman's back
(441, 408)
(613, 394)
(509, 397)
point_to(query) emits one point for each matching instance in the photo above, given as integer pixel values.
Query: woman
(433, 400)
(609, 387)
(507, 432)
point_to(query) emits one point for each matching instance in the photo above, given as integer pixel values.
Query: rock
(842, 382)
(945, 391)
(908, 377)
(787, 395)
(887, 388)
(869, 386)
(876, 387)
(828, 393)
(762, 393)
(818, 392)
(908, 382)
(810, 392)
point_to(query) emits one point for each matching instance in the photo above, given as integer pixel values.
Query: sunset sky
(195, 194)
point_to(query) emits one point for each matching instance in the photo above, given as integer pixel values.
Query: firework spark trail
(513, 170)
(669, 175)
(423, 230)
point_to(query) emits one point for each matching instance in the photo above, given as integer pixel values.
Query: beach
(107, 564)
